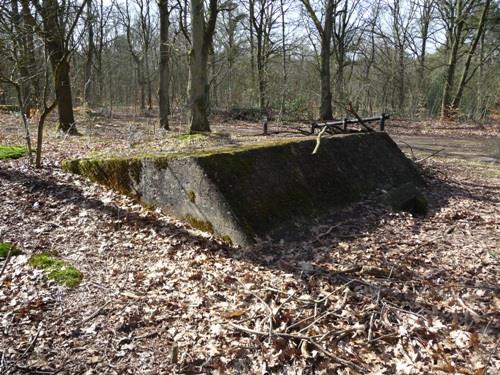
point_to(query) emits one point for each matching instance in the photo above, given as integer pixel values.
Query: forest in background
(289, 60)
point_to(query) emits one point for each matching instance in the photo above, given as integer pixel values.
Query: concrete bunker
(257, 191)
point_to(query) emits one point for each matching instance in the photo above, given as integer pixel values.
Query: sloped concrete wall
(241, 194)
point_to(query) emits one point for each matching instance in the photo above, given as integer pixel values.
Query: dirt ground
(377, 292)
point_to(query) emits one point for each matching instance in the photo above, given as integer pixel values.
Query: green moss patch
(57, 270)
(191, 196)
(119, 174)
(204, 226)
(225, 238)
(12, 152)
(5, 247)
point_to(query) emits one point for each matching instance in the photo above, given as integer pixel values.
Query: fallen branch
(413, 157)
(318, 139)
(274, 333)
(349, 108)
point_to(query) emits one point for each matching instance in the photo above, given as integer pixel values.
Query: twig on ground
(429, 156)
(475, 316)
(286, 301)
(370, 329)
(413, 157)
(94, 314)
(28, 350)
(6, 261)
(271, 315)
(338, 359)
(309, 339)
(335, 291)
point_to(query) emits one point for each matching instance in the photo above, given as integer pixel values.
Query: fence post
(382, 122)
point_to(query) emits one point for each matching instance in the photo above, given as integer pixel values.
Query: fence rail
(342, 126)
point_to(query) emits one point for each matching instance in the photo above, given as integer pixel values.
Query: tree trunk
(56, 47)
(283, 63)
(261, 76)
(325, 32)
(464, 77)
(142, 83)
(325, 112)
(29, 52)
(147, 76)
(88, 87)
(252, 44)
(198, 65)
(63, 96)
(454, 40)
(164, 64)
(21, 50)
(401, 79)
(425, 20)
(213, 98)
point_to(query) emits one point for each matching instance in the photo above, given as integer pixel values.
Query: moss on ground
(5, 247)
(57, 270)
(192, 136)
(12, 152)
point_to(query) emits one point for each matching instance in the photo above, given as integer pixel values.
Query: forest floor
(378, 292)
